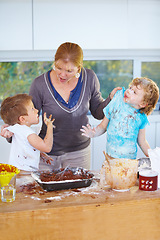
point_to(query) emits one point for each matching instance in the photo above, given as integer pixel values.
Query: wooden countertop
(84, 213)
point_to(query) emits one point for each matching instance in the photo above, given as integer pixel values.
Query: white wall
(16, 25)
(144, 24)
(96, 24)
(4, 150)
(92, 24)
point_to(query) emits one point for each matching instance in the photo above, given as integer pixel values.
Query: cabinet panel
(16, 25)
(92, 24)
(143, 24)
(4, 150)
(103, 24)
(158, 135)
(98, 145)
(151, 138)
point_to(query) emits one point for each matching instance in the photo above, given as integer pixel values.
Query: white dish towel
(154, 155)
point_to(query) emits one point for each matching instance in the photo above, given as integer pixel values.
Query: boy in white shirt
(19, 113)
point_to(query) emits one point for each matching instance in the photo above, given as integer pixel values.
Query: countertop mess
(80, 213)
(30, 195)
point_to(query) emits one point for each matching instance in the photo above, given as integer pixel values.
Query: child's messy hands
(45, 158)
(49, 120)
(87, 131)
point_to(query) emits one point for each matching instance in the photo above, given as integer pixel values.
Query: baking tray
(64, 184)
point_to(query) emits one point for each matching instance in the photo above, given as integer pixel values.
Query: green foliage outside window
(152, 71)
(111, 74)
(16, 77)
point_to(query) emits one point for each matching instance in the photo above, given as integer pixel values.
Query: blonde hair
(70, 52)
(151, 93)
(14, 107)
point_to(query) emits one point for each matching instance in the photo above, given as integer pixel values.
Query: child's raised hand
(87, 131)
(46, 158)
(48, 120)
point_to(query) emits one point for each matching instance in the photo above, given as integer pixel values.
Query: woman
(68, 92)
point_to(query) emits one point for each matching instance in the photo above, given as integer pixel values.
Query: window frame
(95, 54)
(136, 55)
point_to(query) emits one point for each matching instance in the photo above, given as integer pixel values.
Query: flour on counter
(35, 198)
(93, 189)
(54, 198)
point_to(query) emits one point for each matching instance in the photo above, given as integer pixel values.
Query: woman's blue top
(74, 95)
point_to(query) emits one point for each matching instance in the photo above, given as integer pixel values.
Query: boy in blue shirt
(125, 119)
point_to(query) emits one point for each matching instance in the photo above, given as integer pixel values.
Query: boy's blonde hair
(151, 95)
(14, 107)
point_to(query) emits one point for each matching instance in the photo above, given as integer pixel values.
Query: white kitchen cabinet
(92, 24)
(151, 138)
(118, 24)
(98, 145)
(16, 25)
(4, 150)
(44, 25)
(143, 24)
(158, 134)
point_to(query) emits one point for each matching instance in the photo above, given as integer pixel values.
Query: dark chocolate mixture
(65, 174)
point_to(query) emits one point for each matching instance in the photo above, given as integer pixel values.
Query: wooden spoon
(103, 171)
(107, 158)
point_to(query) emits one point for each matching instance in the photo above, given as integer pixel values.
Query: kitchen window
(152, 71)
(16, 77)
(113, 68)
